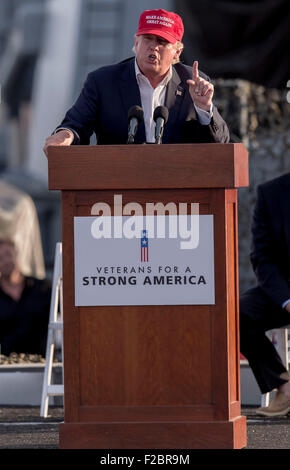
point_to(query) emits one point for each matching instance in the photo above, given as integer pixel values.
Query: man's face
(154, 55)
(7, 258)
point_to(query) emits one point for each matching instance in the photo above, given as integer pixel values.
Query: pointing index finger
(195, 70)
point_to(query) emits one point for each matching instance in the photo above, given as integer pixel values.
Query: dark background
(247, 39)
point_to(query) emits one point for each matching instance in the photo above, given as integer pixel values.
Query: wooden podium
(153, 377)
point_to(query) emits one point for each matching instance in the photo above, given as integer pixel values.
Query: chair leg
(265, 399)
(279, 338)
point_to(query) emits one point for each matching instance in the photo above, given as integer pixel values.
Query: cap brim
(157, 32)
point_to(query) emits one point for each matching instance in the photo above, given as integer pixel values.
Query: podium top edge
(151, 145)
(147, 166)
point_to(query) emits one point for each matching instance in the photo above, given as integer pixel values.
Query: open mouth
(152, 57)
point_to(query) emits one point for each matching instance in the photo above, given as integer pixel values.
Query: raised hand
(201, 91)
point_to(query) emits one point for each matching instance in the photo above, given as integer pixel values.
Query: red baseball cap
(166, 24)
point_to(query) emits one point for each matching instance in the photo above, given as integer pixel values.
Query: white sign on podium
(118, 262)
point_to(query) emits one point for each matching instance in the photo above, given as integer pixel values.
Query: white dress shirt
(153, 97)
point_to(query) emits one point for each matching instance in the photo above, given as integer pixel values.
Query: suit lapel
(130, 94)
(173, 100)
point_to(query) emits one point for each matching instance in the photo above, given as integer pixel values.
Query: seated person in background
(267, 306)
(24, 306)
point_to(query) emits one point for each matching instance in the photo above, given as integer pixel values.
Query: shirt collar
(140, 75)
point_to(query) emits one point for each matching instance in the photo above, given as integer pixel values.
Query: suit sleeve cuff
(76, 136)
(204, 116)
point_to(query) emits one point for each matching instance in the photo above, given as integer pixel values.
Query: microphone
(160, 117)
(135, 116)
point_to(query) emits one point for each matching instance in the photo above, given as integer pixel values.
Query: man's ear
(177, 54)
(135, 41)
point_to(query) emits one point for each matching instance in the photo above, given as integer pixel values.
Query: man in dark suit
(267, 306)
(154, 78)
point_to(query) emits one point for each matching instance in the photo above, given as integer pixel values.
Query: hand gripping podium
(153, 376)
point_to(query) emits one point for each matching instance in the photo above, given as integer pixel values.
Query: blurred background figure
(24, 306)
(24, 293)
(19, 223)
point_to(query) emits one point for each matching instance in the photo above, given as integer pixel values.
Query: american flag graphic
(144, 246)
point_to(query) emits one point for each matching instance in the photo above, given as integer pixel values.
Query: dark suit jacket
(270, 254)
(109, 93)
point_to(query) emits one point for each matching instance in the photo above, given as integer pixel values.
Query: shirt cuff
(76, 136)
(285, 303)
(204, 116)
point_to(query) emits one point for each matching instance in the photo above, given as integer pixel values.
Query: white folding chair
(55, 326)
